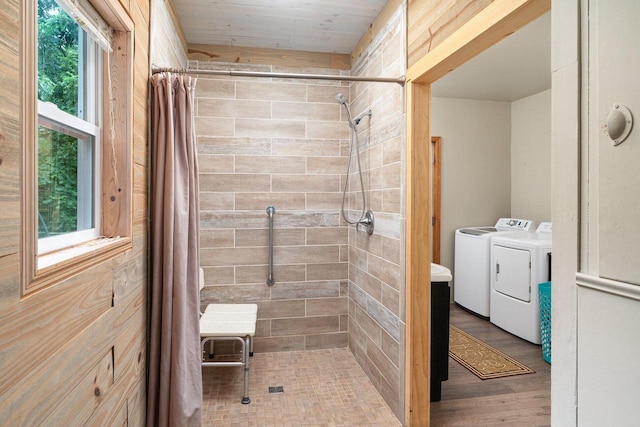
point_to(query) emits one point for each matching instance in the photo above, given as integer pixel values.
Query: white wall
(476, 171)
(531, 157)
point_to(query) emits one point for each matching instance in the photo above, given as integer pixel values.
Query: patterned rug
(482, 359)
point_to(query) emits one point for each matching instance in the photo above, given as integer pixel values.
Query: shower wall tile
(327, 130)
(327, 306)
(270, 91)
(282, 201)
(327, 235)
(306, 183)
(391, 199)
(215, 88)
(281, 309)
(271, 128)
(212, 126)
(216, 201)
(216, 238)
(306, 111)
(392, 150)
(270, 164)
(325, 165)
(384, 270)
(305, 325)
(391, 348)
(281, 273)
(307, 147)
(253, 146)
(327, 271)
(235, 182)
(232, 108)
(260, 237)
(215, 163)
(324, 341)
(391, 299)
(280, 143)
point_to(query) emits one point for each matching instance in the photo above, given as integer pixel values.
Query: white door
(512, 272)
(608, 295)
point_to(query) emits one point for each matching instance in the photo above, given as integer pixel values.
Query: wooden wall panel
(279, 57)
(73, 353)
(431, 22)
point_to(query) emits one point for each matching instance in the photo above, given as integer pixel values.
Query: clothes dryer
(472, 259)
(520, 261)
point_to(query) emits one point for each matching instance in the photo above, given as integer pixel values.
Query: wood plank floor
(521, 400)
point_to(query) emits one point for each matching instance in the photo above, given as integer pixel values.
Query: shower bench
(229, 322)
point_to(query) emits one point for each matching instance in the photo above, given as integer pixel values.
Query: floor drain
(276, 389)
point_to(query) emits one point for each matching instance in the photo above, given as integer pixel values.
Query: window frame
(115, 155)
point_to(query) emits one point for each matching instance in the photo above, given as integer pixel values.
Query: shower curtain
(174, 378)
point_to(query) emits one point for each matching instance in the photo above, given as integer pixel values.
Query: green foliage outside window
(58, 77)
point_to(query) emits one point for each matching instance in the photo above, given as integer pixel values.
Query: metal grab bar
(270, 212)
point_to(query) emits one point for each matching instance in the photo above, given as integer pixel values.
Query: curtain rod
(231, 73)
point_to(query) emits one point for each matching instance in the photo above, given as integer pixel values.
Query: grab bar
(270, 212)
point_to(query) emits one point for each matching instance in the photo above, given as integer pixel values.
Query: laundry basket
(544, 293)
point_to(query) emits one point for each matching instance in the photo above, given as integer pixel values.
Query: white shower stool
(221, 322)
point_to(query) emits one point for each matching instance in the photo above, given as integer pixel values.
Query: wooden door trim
(436, 209)
(497, 21)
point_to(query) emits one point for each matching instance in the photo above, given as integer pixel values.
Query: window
(69, 145)
(77, 118)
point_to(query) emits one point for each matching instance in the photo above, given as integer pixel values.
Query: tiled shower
(284, 143)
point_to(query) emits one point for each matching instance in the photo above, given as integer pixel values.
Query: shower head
(340, 98)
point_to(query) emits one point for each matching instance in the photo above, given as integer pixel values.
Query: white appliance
(472, 259)
(520, 261)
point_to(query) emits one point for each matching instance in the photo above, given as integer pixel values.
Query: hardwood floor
(521, 400)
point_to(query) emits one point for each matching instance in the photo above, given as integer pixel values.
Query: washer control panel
(515, 224)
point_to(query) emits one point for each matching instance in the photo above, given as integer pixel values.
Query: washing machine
(472, 259)
(519, 262)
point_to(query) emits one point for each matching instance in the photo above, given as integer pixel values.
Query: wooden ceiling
(333, 26)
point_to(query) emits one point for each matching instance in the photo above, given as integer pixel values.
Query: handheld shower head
(341, 98)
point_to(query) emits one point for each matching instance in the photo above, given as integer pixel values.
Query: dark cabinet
(439, 337)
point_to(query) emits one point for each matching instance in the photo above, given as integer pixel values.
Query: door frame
(495, 22)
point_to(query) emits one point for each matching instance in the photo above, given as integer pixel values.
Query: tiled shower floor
(321, 388)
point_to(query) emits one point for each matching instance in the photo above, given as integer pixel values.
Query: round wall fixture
(619, 124)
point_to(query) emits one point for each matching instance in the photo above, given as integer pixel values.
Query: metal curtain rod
(231, 73)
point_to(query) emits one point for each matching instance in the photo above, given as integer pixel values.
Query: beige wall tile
(263, 328)
(305, 325)
(326, 165)
(260, 237)
(326, 129)
(391, 200)
(253, 146)
(234, 182)
(215, 88)
(281, 273)
(328, 271)
(238, 109)
(306, 111)
(218, 276)
(391, 250)
(369, 326)
(317, 93)
(221, 238)
(384, 270)
(216, 201)
(215, 163)
(366, 282)
(327, 306)
(306, 183)
(266, 345)
(391, 299)
(392, 150)
(391, 348)
(344, 323)
(324, 201)
(321, 341)
(212, 126)
(388, 370)
(270, 128)
(307, 147)
(306, 254)
(321, 289)
(327, 235)
(281, 309)
(234, 294)
(231, 219)
(281, 201)
(270, 91)
(220, 257)
(391, 175)
(270, 164)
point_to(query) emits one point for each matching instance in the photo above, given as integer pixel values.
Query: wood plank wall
(74, 353)
(431, 22)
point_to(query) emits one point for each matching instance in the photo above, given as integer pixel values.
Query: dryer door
(512, 272)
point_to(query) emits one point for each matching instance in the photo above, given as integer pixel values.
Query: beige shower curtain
(175, 379)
